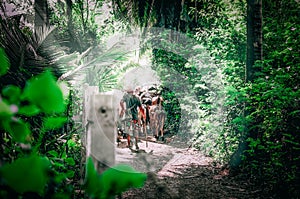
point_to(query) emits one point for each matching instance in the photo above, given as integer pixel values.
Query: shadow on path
(159, 157)
(182, 173)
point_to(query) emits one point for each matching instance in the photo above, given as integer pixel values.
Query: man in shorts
(132, 104)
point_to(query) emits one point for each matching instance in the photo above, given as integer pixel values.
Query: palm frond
(107, 79)
(29, 53)
(97, 63)
(42, 33)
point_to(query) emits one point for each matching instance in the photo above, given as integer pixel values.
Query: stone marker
(100, 128)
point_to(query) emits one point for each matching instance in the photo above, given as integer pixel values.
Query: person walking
(133, 105)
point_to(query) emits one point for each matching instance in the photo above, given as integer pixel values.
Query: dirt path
(175, 171)
(157, 157)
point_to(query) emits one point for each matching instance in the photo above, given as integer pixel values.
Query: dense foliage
(43, 164)
(274, 105)
(199, 52)
(261, 115)
(76, 22)
(225, 38)
(258, 128)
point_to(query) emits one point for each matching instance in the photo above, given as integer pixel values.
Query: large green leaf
(18, 129)
(29, 110)
(51, 123)
(27, 174)
(12, 93)
(112, 181)
(70, 161)
(70, 174)
(4, 62)
(119, 178)
(43, 91)
(5, 111)
(53, 153)
(92, 181)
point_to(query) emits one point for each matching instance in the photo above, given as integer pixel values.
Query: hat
(128, 88)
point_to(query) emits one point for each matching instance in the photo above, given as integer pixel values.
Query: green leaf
(119, 178)
(70, 161)
(53, 153)
(18, 129)
(5, 111)
(291, 142)
(51, 123)
(294, 113)
(12, 93)
(58, 165)
(27, 174)
(59, 177)
(121, 58)
(70, 174)
(29, 110)
(64, 155)
(4, 62)
(92, 180)
(71, 143)
(43, 91)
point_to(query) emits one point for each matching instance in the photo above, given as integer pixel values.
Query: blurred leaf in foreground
(5, 111)
(112, 181)
(4, 62)
(18, 129)
(12, 93)
(92, 181)
(51, 123)
(27, 174)
(119, 178)
(44, 92)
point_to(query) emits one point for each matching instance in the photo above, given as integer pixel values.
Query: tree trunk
(254, 36)
(254, 53)
(41, 13)
(69, 14)
(74, 43)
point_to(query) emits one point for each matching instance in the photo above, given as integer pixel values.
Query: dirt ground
(177, 171)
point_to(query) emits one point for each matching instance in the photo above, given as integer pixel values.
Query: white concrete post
(101, 132)
(88, 93)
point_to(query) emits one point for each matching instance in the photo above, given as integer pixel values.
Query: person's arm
(161, 100)
(142, 95)
(142, 111)
(140, 107)
(122, 108)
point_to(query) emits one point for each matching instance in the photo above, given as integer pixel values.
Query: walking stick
(146, 131)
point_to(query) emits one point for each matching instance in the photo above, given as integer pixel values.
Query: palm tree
(26, 51)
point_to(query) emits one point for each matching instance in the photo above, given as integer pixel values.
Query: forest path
(159, 157)
(176, 171)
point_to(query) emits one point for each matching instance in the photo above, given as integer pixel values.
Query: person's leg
(162, 123)
(156, 127)
(129, 134)
(128, 141)
(136, 133)
(152, 121)
(136, 142)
